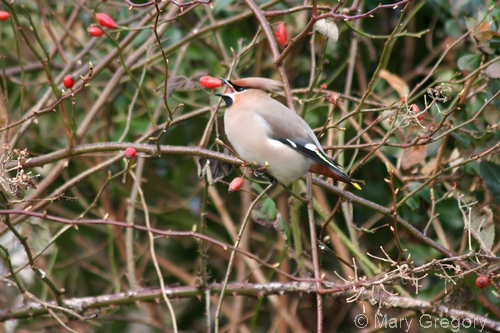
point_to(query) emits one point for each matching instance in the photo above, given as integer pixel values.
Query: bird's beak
(229, 84)
(225, 95)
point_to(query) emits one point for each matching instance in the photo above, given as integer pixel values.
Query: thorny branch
(377, 129)
(358, 289)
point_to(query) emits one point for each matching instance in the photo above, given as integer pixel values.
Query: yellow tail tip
(356, 186)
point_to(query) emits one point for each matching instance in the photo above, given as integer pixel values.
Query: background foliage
(406, 100)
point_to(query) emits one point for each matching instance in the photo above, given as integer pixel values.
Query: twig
(256, 290)
(233, 253)
(153, 252)
(314, 255)
(259, 14)
(181, 5)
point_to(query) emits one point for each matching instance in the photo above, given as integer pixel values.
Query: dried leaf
(412, 156)
(395, 82)
(40, 235)
(194, 82)
(455, 160)
(174, 83)
(429, 167)
(482, 31)
(483, 227)
(213, 169)
(492, 115)
(178, 82)
(459, 296)
(484, 36)
(327, 28)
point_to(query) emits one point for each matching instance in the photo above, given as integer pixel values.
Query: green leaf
(469, 62)
(460, 138)
(413, 203)
(423, 194)
(269, 207)
(490, 172)
(265, 213)
(495, 42)
(257, 187)
(221, 4)
(452, 28)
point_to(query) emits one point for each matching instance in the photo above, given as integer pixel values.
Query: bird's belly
(251, 137)
(284, 163)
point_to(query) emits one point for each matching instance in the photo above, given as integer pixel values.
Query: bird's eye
(234, 87)
(239, 88)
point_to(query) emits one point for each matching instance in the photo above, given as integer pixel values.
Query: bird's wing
(283, 122)
(311, 150)
(291, 130)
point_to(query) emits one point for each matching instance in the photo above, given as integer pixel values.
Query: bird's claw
(261, 173)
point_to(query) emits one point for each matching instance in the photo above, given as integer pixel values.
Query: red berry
(235, 184)
(105, 20)
(69, 81)
(415, 108)
(210, 82)
(130, 152)
(323, 86)
(280, 34)
(4, 15)
(420, 117)
(482, 281)
(95, 31)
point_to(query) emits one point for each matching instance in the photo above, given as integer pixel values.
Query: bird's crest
(259, 83)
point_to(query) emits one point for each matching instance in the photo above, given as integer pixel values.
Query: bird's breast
(252, 138)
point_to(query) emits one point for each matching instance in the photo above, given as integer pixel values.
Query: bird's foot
(261, 172)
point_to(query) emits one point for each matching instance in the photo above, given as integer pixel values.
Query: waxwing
(266, 132)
